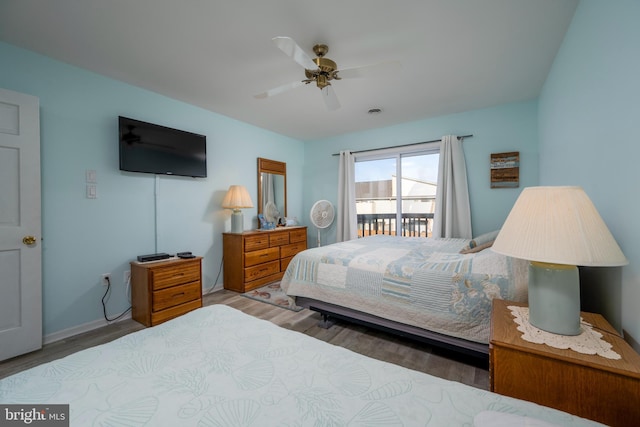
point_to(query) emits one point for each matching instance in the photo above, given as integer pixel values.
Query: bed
(217, 366)
(413, 286)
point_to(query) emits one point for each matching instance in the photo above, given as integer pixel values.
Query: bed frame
(329, 311)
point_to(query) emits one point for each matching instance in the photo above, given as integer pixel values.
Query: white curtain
(452, 217)
(347, 216)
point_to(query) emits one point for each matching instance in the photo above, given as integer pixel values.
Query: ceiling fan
(131, 138)
(322, 70)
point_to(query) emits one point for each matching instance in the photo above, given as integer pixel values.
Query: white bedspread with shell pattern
(217, 366)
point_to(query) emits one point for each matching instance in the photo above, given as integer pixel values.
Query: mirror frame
(277, 168)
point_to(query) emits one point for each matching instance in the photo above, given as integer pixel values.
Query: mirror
(272, 189)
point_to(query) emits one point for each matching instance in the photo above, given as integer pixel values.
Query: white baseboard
(86, 327)
(66, 333)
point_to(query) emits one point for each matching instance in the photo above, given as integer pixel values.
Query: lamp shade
(558, 225)
(237, 197)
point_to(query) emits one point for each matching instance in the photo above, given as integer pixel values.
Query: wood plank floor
(375, 344)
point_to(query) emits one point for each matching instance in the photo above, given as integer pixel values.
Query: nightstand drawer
(168, 314)
(175, 295)
(261, 270)
(262, 256)
(165, 277)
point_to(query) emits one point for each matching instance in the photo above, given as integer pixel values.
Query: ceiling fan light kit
(321, 70)
(327, 69)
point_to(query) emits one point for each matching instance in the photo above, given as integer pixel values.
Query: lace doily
(588, 342)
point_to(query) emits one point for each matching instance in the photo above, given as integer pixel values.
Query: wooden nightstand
(163, 290)
(589, 386)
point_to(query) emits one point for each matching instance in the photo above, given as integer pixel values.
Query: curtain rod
(404, 145)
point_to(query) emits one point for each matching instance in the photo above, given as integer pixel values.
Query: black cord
(213, 288)
(104, 307)
(582, 322)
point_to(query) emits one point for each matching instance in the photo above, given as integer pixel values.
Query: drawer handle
(178, 295)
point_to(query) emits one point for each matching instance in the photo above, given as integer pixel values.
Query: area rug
(274, 295)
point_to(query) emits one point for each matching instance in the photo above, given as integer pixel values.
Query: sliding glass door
(396, 192)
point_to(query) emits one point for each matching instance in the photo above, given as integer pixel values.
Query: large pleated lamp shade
(237, 198)
(557, 229)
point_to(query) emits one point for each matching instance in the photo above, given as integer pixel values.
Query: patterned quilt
(217, 366)
(421, 282)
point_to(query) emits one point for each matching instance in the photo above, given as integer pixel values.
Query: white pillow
(477, 248)
(502, 419)
(483, 238)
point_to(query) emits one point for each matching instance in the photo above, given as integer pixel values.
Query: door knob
(29, 240)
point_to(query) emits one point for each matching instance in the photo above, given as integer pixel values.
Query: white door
(20, 225)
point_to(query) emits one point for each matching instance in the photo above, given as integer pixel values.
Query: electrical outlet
(106, 279)
(126, 277)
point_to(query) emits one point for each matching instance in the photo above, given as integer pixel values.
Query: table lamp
(237, 198)
(556, 229)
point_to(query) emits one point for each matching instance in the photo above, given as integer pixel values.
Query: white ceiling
(456, 55)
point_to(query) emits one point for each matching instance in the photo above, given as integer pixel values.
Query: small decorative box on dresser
(255, 258)
(590, 386)
(163, 290)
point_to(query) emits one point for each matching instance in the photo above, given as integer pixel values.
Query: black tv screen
(149, 148)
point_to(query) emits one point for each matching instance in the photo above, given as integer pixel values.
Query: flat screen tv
(149, 148)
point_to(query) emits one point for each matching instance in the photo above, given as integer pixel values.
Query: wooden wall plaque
(505, 170)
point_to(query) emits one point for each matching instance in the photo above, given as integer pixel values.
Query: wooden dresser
(162, 290)
(589, 386)
(255, 258)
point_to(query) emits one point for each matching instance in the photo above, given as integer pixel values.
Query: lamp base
(237, 221)
(554, 298)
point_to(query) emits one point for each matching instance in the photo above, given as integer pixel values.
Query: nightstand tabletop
(504, 333)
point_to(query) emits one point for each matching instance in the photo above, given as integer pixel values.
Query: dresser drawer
(259, 241)
(278, 239)
(284, 262)
(262, 270)
(298, 235)
(164, 277)
(291, 250)
(175, 295)
(261, 256)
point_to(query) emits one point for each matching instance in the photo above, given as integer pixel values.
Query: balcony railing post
(412, 224)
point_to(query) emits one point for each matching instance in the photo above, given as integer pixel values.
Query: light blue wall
(511, 127)
(582, 131)
(84, 238)
(589, 112)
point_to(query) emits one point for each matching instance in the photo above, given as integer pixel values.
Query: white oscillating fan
(322, 214)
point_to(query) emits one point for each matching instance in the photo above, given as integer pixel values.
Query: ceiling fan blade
(374, 70)
(330, 98)
(295, 52)
(279, 89)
